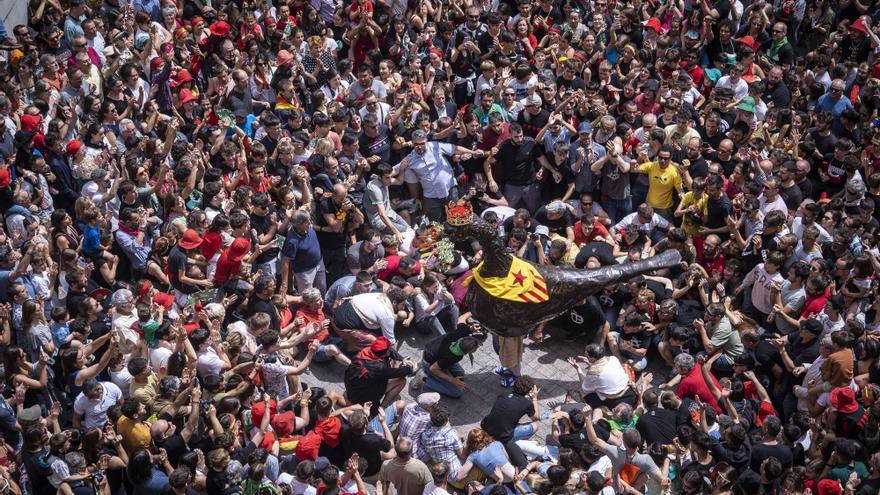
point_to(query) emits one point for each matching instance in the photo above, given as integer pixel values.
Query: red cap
(220, 28)
(239, 248)
(190, 240)
(284, 57)
(182, 77)
(73, 147)
(829, 487)
(284, 423)
(844, 400)
(859, 25)
(186, 96)
(30, 123)
(654, 24)
(380, 345)
(749, 41)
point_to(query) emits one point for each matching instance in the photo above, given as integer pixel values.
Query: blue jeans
(441, 386)
(321, 354)
(390, 419)
(617, 208)
(522, 432)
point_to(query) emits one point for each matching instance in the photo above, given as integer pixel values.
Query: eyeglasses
(79, 45)
(836, 90)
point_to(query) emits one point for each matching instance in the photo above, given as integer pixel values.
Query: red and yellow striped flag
(523, 283)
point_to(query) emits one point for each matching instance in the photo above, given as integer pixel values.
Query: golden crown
(459, 213)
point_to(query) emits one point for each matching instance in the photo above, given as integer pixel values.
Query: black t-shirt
(177, 264)
(638, 340)
(761, 452)
(257, 305)
(793, 196)
(532, 124)
(175, 447)
(379, 145)
(657, 426)
(331, 240)
(697, 168)
(719, 210)
(557, 226)
(855, 52)
(574, 441)
(600, 250)
(520, 163)
(505, 416)
(262, 224)
(437, 350)
(368, 446)
(824, 144)
(784, 56)
(585, 319)
(215, 482)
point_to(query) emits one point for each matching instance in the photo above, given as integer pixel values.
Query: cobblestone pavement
(544, 362)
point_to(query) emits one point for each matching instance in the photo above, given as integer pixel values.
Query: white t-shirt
(94, 411)
(209, 363)
(159, 357)
(122, 379)
(297, 486)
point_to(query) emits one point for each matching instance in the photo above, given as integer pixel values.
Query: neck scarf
(455, 349)
(776, 46)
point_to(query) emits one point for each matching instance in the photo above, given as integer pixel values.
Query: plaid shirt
(413, 422)
(441, 445)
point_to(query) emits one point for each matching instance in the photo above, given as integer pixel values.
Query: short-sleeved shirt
(505, 415)
(725, 337)
(177, 264)
(620, 461)
(519, 162)
(437, 350)
(661, 183)
(432, 170)
(94, 411)
(303, 250)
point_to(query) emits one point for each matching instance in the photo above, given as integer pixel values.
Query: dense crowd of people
(204, 199)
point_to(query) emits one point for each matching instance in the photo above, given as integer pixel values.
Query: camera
(97, 476)
(268, 358)
(534, 237)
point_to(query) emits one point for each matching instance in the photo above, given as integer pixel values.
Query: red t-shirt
(693, 385)
(813, 305)
(309, 318)
(599, 230)
(392, 269)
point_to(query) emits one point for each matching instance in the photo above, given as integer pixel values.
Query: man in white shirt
(429, 168)
(771, 199)
(356, 319)
(604, 382)
(92, 404)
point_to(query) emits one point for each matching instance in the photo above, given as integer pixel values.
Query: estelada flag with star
(523, 283)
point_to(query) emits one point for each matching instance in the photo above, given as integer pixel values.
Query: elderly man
(302, 254)
(403, 474)
(416, 418)
(691, 382)
(429, 168)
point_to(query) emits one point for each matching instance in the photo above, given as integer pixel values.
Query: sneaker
(508, 381)
(501, 371)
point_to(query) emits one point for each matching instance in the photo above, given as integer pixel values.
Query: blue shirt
(432, 170)
(60, 332)
(827, 104)
(304, 251)
(91, 240)
(491, 456)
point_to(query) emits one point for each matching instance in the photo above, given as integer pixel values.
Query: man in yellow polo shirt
(663, 179)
